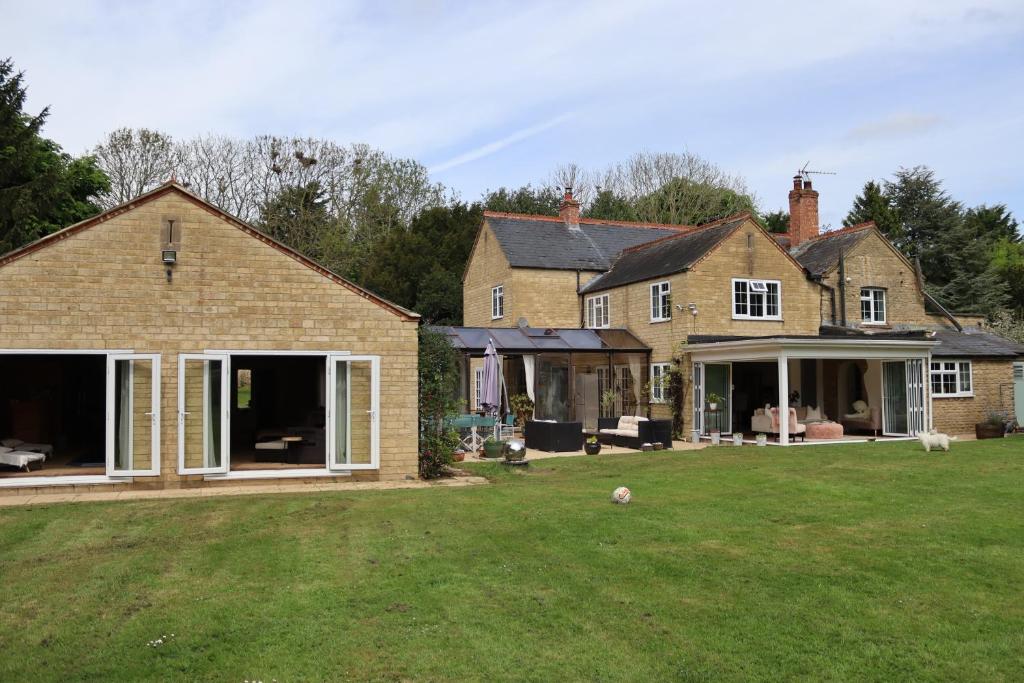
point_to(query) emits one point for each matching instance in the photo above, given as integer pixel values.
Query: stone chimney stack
(803, 211)
(569, 210)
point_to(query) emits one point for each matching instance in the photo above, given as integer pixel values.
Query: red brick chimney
(569, 210)
(803, 211)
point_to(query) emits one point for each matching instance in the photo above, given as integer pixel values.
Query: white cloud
(492, 147)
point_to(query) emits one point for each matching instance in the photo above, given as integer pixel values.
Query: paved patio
(216, 491)
(533, 454)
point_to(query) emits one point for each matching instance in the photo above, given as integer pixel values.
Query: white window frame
(478, 381)
(751, 284)
(661, 301)
(957, 371)
(597, 312)
(498, 302)
(867, 295)
(659, 371)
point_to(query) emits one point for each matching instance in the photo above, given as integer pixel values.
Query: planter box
(984, 430)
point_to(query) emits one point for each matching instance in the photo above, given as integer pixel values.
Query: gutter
(842, 288)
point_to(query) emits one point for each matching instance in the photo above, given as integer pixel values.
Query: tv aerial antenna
(806, 172)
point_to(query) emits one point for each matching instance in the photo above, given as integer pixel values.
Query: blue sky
(492, 94)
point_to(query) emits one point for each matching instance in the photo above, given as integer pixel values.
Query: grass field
(859, 562)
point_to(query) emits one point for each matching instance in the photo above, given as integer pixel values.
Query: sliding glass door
(203, 414)
(894, 398)
(133, 415)
(353, 412)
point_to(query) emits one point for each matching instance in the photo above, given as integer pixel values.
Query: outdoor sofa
(630, 431)
(554, 437)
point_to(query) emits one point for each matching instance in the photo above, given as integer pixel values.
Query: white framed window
(659, 381)
(661, 301)
(952, 378)
(497, 302)
(756, 299)
(597, 311)
(478, 383)
(872, 305)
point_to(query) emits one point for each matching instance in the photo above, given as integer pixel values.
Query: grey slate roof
(822, 254)
(552, 245)
(974, 343)
(668, 256)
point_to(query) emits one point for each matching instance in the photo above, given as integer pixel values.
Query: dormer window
(756, 299)
(872, 305)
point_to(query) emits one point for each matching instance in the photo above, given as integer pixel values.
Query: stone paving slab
(211, 492)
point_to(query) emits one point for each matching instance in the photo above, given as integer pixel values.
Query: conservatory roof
(541, 340)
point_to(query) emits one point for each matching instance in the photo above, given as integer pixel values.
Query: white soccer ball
(621, 495)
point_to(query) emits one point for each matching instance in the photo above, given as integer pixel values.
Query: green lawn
(859, 562)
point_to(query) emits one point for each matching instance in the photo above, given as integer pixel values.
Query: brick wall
(105, 288)
(993, 390)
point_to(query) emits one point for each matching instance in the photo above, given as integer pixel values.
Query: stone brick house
(760, 319)
(165, 344)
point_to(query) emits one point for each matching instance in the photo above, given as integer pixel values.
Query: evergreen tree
(610, 206)
(540, 201)
(775, 221)
(872, 204)
(42, 189)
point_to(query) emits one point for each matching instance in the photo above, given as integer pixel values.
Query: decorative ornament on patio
(621, 496)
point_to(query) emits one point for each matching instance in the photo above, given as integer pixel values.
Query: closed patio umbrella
(490, 392)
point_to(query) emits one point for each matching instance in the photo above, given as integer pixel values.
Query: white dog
(933, 439)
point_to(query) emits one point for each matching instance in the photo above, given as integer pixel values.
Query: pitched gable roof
(821, 254)
(547, 242)
(666, 256)
(172, 186)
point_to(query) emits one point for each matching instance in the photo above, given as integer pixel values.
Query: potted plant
(762, 439)
(522, 407)
(608, 402)
(459, 455)
(493, 448)
(713, 400)
(993, 426)
(592, 446)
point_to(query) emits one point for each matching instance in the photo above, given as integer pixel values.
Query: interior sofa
(630, 431)
(863, 418)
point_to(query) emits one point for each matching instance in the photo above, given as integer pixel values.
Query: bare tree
(135, 161)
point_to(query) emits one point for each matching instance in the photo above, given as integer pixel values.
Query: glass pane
(965, 377)
(133, 428)
(894, 377)
(353, 419)
(716, 381)
(552, 387)
(203, 413)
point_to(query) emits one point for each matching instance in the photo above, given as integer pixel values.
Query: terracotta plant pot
(987, 430)
(458, 456)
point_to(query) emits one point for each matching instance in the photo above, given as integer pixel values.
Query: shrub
(438, 391)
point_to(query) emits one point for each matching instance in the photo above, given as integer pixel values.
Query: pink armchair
(795, 427)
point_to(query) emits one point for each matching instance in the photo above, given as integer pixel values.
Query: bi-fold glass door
(904, 407)
(204, 413)
(353, 412)
(133, 415)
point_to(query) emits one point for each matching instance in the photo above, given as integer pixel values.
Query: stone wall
(993, 391)
(105, 287)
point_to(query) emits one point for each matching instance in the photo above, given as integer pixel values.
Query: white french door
(133, 415)
(353, 412)
(204, 413)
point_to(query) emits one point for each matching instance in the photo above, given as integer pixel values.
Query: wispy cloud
(498, 145)
(895, 126)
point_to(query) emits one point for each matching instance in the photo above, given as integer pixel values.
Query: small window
(756, 299)
(497, 302)
(243, 387)
(659, 382)
(661, 302)
(597, 311)
(872, 305)
(951, 378)
(170, 233)
(478, 384)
